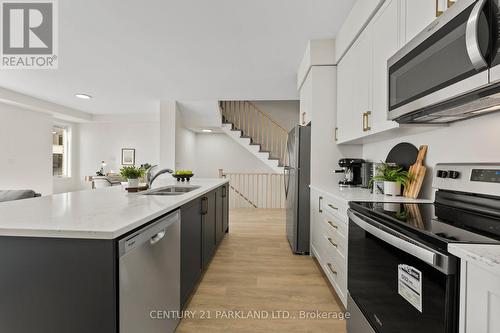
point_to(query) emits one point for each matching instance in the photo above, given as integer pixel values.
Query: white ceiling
(130, 54)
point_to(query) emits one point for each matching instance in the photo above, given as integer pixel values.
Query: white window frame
(67, 140)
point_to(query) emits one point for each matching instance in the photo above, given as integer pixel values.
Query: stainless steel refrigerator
(297, 179)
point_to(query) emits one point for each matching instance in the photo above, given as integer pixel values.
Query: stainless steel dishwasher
(149, 270)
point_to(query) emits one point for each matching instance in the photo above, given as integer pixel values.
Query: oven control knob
(442, 173)
(454, 174)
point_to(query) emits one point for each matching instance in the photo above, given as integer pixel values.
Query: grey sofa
(10, 195)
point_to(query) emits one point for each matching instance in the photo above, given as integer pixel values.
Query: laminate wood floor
(254, 273)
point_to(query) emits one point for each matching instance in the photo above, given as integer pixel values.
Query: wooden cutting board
(417, 172)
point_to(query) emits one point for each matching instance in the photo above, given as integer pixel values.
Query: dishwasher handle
(151, 235)
(158, 237)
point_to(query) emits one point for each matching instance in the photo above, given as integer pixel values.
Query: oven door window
(373, 279)
(439, 61)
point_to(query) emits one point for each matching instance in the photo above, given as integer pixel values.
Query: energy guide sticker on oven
(410, 285)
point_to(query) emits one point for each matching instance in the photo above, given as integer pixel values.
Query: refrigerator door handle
(286, 180)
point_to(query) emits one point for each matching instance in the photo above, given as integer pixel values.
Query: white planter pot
(392, 207)
(133, 183)
(392, 188)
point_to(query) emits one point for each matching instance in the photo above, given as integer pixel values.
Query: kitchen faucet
(150, 179)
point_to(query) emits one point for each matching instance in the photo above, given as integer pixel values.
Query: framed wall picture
(128, 156)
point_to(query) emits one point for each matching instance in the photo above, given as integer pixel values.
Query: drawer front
(333, 225)
(335, 207)
(335, 250)
(337, 277)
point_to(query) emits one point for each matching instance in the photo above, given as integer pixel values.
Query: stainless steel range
(401, 277)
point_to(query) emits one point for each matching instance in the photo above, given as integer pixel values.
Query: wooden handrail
(267, 116)
(243, 196)
(257, 125)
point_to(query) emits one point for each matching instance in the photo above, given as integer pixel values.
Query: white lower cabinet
(329, 227)
(482, 302)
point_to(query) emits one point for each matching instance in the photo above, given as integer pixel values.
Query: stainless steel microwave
(451, 70)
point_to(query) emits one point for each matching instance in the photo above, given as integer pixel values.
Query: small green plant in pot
(132, 174)
(393, 177)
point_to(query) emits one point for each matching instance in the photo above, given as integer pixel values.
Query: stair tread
(233, 128)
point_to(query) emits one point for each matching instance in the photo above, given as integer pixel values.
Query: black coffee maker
(351, 167)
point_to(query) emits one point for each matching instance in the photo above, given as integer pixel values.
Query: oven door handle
(471, 37)
(429, 256)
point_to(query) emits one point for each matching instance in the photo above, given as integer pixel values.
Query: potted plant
(393, 177)
(132, 174)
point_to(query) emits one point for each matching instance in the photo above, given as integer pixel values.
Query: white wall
(218, 151)
(474, 140)
(285, 113)
(104, 140)
(25, 150)
(166, 140)
(185, 146)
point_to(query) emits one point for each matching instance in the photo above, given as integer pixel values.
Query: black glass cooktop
(443, 223)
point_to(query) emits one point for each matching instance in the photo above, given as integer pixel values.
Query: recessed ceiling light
(207, 130)
(83, 96)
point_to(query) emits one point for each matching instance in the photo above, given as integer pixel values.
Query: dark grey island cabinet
(203, 222)
(61, 285)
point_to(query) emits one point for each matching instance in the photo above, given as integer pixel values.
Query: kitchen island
(60, 254)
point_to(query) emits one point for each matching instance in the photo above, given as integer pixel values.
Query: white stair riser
(254, 149)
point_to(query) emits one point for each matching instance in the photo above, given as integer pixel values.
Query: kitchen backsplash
(474, 140)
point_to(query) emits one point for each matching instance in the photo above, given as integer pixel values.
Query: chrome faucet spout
(151, 178)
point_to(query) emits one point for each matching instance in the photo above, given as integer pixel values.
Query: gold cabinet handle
(333, 225)
(330, 267)
(364, 121)
(319, 204)
(333, 207)
(368, 114)
(438, 11)
(336, 134)
(331, 242)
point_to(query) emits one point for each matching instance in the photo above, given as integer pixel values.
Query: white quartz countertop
(362, 194)
(484, 255)
(104, 213)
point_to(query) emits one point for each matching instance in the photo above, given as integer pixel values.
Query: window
(60, 156)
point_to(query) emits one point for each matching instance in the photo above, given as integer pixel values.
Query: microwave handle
(403, 243)
(471, 38)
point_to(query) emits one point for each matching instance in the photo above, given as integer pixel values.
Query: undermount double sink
(171, 190)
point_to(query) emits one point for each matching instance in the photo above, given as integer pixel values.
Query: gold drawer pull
(333, 225)
(331, 242)
(333, 207)
(330, 267)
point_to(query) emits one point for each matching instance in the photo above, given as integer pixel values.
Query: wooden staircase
(267, 137)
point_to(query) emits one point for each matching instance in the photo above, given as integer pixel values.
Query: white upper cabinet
(306, 96)
(354, 95)
(362, 88)
(319, 52)
(386, 32)
(418, 15)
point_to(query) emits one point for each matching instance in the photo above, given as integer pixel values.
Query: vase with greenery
(393, 177)
(132, 174)
(145, 167)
